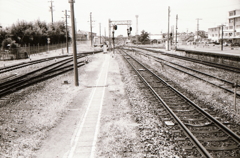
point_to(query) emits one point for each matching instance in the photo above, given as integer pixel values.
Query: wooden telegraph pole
(91, 28)
(66, 16)
(176, 30)
(74, 42)
(100, 33)
(168, 28)
(222, 38)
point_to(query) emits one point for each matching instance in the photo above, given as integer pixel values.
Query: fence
(45, 48)
(27, 51)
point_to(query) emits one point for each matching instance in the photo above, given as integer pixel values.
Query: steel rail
(231, 83)
(36, 79)
(235, 136)
(220, 66)
(217, 123)
(24, 64)
(228, 82)
(9, 82)
(200, 147)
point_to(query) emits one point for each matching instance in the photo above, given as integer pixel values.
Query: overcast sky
(153, 14)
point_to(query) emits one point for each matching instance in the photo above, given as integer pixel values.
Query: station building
(231, 30)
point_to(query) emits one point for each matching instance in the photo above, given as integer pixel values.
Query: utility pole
(105, 37)
(198, 25)
(176, 30)
(222, 38)
(66, 16)
(109, 32)
(137, 28)
(74, 42)
(172, 35)
(91, 28)
(51, 9)
(100, 32)
(168, 28)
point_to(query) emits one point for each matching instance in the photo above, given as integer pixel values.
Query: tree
(144, 37)
(3, 34)
(8, 43)
(37, 32)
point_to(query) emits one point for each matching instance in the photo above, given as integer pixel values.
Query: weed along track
(195, 131)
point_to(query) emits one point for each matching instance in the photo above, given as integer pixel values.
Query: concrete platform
(227, 51)
(84, 141)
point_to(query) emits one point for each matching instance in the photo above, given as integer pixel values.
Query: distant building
(93, 35)
(214, 34)
(184, 37)
(82, 35)
(231, 31)
(156, 38)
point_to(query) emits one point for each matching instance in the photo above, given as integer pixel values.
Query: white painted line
(99, 115)
(77, 136)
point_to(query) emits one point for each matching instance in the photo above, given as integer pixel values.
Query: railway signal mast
(129, 30)
(117, 22)
(114, 28)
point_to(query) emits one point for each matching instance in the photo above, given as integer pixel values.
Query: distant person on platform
(104, 48)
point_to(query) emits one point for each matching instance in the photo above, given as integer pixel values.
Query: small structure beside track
(13, 54)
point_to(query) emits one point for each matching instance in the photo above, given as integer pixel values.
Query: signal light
(115, 27)
(128, 32)
(130, 28)
(170, 34)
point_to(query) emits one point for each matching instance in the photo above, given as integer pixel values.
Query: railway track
(221, 83)
(19, 82)
(25, 64)
(197, 132)
(215, 65)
